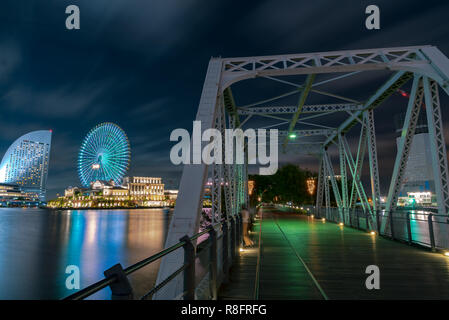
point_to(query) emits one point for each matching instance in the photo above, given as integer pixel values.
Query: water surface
(37, 245)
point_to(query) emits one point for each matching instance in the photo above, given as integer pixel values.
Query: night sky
(141, 64)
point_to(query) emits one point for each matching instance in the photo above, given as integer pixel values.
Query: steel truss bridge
(425, 66)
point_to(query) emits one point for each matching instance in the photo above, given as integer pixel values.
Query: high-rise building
(25, 163)
(418, 175)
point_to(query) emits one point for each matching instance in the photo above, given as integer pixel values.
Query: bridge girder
(319, 108)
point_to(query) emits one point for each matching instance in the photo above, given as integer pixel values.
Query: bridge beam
(391, 86)
(405, 143)
(357, 181)
(344, 179)
(186, 217)
(359, 164)
(318, 108)
(437, 145)
(330, 172)
(302, 100)
(372, 154)
(320, 186)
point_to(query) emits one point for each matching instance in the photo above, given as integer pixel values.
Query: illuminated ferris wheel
(104, 155)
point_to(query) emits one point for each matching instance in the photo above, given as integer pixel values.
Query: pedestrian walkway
(298, 257)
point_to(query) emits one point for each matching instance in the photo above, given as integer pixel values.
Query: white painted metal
(437, 144)
(359, 164)
(402, 58)
(423, 61)
(318, 108)
(405, 142)
(372, 154)
(186, 217)
(331, 175)
(344, 179)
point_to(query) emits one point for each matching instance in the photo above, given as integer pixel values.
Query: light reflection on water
(37, 245)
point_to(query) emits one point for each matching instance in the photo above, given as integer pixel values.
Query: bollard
(409, 229)
(390, 215)
(189, 271)
(121, 288)
(431, 235)
(213, 263)
(377, 221)
(225, 249)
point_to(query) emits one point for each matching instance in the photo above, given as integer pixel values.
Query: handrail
(99, 285)
(403, 216)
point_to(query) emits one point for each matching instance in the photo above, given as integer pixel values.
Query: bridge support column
(437, 145)
(187, 214)
(357, 182)
(330, 171)
(344, 180)
(374, 169)
(320, 188)
(405, 143)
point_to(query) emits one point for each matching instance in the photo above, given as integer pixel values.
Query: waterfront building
(145, 190)
(134, 192)
(418, 176)
(25, 163)
(12, 195)
(74, 191)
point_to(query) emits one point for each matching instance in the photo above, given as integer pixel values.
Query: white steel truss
(405, 143)
(318, 108)
(437, 144)
(372, 153)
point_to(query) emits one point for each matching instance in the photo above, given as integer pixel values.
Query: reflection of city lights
(311, 184)
(341, 224)
(372, 233)
(250, 186)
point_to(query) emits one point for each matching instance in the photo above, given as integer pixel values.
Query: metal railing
(228, 233)
(418, 227)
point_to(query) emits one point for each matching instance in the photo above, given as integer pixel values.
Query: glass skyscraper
(25, 163)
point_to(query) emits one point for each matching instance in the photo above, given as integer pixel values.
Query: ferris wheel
(104, 154)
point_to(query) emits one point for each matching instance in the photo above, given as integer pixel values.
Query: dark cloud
(141, 64)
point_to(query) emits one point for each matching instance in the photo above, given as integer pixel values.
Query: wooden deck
(303, 258)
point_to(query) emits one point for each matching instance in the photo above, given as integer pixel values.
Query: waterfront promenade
(298, 257)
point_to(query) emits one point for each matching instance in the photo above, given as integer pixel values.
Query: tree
(287, 185)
